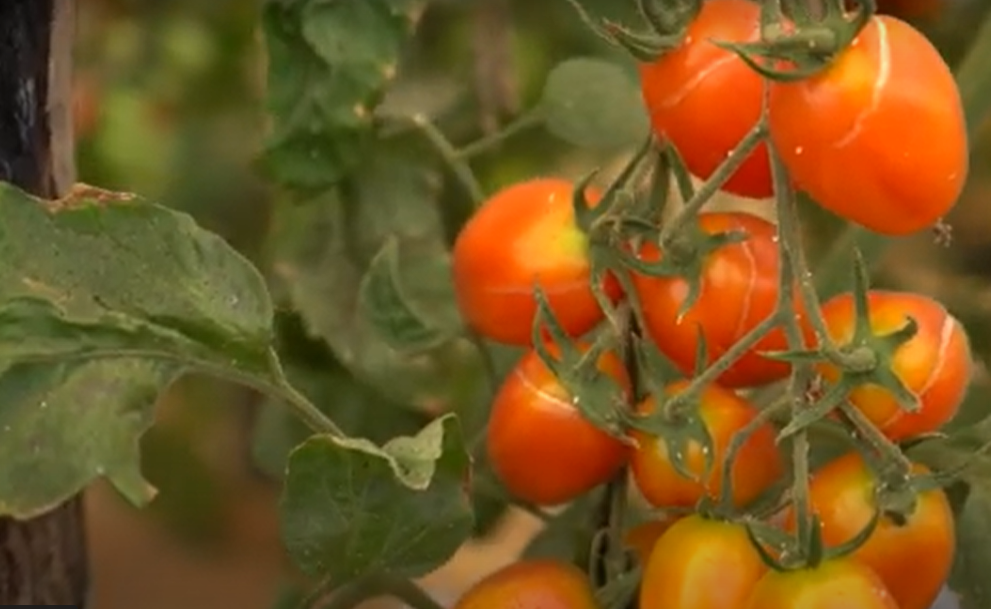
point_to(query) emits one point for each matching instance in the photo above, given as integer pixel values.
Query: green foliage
(351, 508)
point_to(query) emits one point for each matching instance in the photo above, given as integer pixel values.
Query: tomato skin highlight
(879, 137)
(701, 564)
(522, 236)
(739, 289)
(935, 364)
(758, 463)
(531, 584)
(835, 584)
(539, 445)
(686, 93)
(913, 560)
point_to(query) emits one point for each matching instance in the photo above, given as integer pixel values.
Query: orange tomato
(532, 584)
(523, 236)
(642, 538)
(878, 137)
(686, 93)
(912, 559)
(701, 564)
(739, 289)
(539, 445)
(935, 364)
(834, 584)
(757, 466)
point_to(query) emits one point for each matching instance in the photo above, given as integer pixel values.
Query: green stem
(528, 120)
(374, 586)
(300, 404)
(716, 181)
(974, 79)
(889, 451)
(790, 244)
(450, 157)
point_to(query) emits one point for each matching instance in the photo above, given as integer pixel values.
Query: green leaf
(593, 103)
(973, 557)
(85, 348)
(382, 298)
(351, 508)
(321, 249)
(329, 64)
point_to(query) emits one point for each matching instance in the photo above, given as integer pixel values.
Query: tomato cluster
(876, 136)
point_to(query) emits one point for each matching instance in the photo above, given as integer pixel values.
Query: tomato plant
(685, 92)
(524, 236)
(756, 467)
(912, 557)
(541, 447)
(701, 564)
(738, 289)
(832, 584)
(834, 131)
(935, 364)
(532, 584)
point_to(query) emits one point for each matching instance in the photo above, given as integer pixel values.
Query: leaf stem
(299, 403)
(525, 121)
(451, 157)
(790, 244)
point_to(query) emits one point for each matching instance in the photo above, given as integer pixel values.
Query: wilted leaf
(593, 103)
(350, 507)
(383, 299)
(329, 63)
(104, 300)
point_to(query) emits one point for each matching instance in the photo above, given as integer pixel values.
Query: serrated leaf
(85, 348)
(381, 297)
(351, 508)
(329, 63)
(321, 249)
(594, 103)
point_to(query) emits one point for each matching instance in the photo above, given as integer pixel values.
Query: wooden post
(43, 560)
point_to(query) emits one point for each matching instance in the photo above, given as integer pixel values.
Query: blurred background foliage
(170, 104)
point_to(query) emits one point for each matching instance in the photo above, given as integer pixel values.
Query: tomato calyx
(667, 21)
(795, 43)
(867, 358)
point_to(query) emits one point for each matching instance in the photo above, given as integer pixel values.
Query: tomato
(914, 559)
(935, 364)
(531, 584)
(540, 446)
(835, 584)
(878, 137)
(642, 538)
(686, 93)
(739, 289)
(525, 235)
(701, 564)
(757, 466)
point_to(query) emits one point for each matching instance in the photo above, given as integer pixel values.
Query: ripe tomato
(835, 584)
(525, 235)
(539, 445)
(685, 92)
(913, 560)
(701, 564)
(531, 584)
(757, 466)
(935, 364)
(739, 289)
(878, 137)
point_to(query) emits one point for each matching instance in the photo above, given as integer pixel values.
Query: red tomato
(834, 584)
(701, 564)
(757, 466)
(687, 93)
(540, 446)
(525, 235)
(878, 137)
(739, 290)
(532, 584)
(935, 364)
(914, 559)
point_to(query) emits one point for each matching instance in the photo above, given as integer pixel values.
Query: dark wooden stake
(43, 560)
